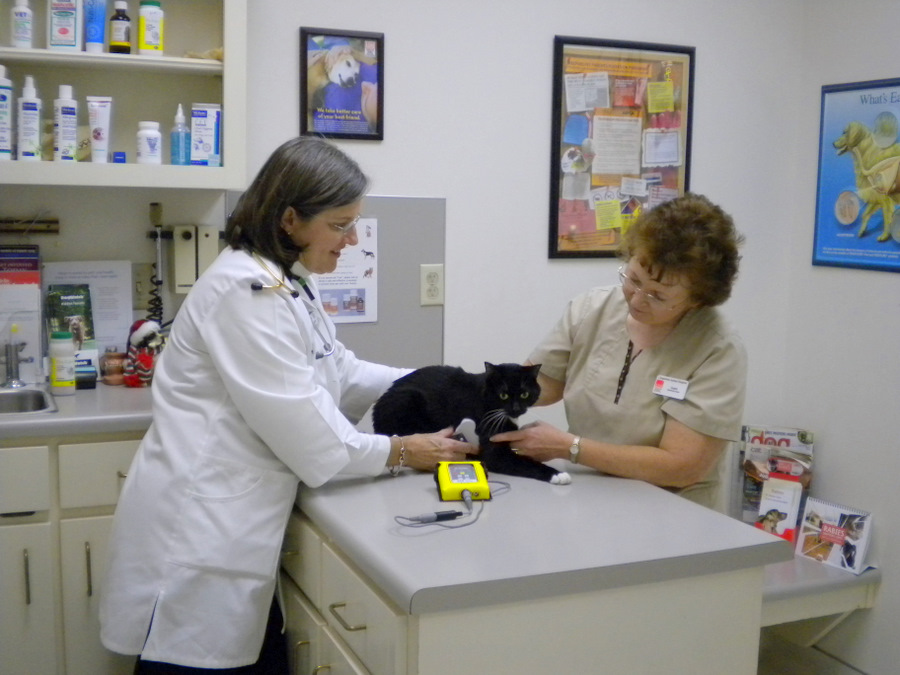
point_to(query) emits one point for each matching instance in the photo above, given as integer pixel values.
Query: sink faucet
(11, 357)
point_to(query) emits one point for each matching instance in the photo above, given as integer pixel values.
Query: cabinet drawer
(301, 555)
(24, 479)
(368, 622)
(91, 474)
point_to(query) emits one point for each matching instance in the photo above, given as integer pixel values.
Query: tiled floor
(777, 656)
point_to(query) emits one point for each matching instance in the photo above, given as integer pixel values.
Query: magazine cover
(768, 450)
(835, 535)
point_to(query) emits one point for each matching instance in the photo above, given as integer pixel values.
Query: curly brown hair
(688, 236)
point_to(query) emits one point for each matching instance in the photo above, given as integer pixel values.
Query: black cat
(436, 397)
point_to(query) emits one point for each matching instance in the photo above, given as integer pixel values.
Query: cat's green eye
(504, 396)
(524, 395)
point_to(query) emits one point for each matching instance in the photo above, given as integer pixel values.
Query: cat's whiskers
(493, 420)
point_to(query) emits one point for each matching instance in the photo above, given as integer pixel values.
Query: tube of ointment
(98, 118)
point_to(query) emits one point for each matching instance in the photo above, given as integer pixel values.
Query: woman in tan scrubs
(651, 376)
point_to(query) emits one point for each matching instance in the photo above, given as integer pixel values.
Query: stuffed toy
(145, 342)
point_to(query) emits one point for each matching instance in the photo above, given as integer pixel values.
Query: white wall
(467, 117)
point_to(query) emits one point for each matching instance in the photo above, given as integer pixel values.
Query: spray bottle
(180, 140)
(6, 111)
(65, 125)
(29, 135)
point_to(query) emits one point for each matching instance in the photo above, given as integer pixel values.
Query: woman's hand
(424, 451)
(538, 440)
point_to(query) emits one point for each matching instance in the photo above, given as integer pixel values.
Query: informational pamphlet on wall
(110, 285)
(350, 293)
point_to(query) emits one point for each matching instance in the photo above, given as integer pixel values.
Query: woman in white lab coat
(251, 394)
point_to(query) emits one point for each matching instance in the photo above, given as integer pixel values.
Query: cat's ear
(534, 369)
(488, 367)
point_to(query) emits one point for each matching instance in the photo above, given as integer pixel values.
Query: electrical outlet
(142, 284)
(431, 284)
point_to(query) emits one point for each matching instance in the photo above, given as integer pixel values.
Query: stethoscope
(316, 316)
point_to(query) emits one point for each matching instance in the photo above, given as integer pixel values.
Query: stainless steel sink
(27, 400)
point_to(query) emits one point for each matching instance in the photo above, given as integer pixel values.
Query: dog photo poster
(341, 90)
(857, 224)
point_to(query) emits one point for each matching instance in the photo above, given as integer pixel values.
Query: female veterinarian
(651, 376)
(251, 394)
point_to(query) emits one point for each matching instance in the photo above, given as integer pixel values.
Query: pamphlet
(835, 535)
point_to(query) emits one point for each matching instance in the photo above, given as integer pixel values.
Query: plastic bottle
(65, 25)
(180, 141)
(29, 118)
(62, 364)
(150, 28)
(120, 29)
(149, 143)
(22, 25)
(65, 125)
(6, 112)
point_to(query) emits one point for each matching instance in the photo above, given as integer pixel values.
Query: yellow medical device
(455, 478)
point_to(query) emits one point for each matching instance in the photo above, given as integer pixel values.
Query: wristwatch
(575, 450)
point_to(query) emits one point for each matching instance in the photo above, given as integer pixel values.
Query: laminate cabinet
(53, 547)
(336, 618)
(27, 623)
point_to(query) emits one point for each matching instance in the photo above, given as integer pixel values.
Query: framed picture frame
(341, 84)
(620, 140)
(858, 190)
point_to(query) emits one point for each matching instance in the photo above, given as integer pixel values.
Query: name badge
(670, 387)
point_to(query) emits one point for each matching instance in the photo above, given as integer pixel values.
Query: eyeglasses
(346, 228)
(630, 285)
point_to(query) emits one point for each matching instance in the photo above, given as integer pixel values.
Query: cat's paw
(562, 478)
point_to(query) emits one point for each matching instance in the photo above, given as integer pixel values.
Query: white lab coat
(242, 409)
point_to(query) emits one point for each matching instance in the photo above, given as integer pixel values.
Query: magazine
(780, 452)
(835, 535)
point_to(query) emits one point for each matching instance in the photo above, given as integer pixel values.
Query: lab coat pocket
(234, 518)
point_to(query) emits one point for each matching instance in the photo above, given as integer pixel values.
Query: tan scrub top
(586, 350)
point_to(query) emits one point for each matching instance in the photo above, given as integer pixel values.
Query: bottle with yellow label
(62, 364)
(150, 28)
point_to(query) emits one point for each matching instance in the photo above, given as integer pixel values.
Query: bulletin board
(621, 138)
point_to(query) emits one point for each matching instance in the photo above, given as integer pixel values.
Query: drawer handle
(121, 475)
(333, 608)
(27, 576)
(299, 643)
(319, 669)
(87, 563)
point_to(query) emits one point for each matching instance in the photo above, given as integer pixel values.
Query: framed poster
(621, 138)
(857, 224)
(341, 84)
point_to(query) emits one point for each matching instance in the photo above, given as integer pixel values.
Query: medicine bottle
(180, 141)
(150, 28)
(22, 25)
(149, 143)
(120, 29)
(62, 364)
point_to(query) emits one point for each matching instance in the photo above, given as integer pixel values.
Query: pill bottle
(150, 28)
(62, 364)
(149, 143)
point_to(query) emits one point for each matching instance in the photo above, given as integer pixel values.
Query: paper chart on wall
(350, 293)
